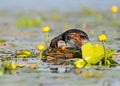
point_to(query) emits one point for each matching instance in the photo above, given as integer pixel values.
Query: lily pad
(92, 53)
(23, 54)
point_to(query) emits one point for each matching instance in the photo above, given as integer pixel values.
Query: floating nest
(58, 56)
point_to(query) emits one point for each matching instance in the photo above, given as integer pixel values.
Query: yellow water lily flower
(102, 37)
(114, 9)
(40, 47)
(79, 63)
(45, 29)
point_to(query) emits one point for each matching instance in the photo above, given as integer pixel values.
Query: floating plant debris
(92, 54)
(57, 55)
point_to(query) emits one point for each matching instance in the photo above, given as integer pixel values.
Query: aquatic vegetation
(87, 12)
(22, 53)
(91, 54)
(2, 71)
(95, 53)
(102, 37)
(99, 16)
(66, 26)
(87, 74)
(45, 30)
(114, 22)
(55, 16)
(28, 22)
(20, 64)
(12, 45)
(8, 66)
(114, 9)
(59, 56)
(40, 47)
(40, 19)
(2, 42)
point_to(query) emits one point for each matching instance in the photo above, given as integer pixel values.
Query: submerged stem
(105, 58)
(39, 59)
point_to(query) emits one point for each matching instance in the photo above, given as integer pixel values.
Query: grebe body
(74, 37)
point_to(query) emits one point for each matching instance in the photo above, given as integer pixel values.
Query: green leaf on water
(23, 54)
(93, 54)
(27, 22)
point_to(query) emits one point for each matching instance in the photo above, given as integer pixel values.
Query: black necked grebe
(74, 37)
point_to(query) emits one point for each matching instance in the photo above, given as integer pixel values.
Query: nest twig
(62, 55)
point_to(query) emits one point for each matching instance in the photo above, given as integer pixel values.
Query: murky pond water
(94, 24)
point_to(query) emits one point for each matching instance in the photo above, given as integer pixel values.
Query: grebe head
(54, 43)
